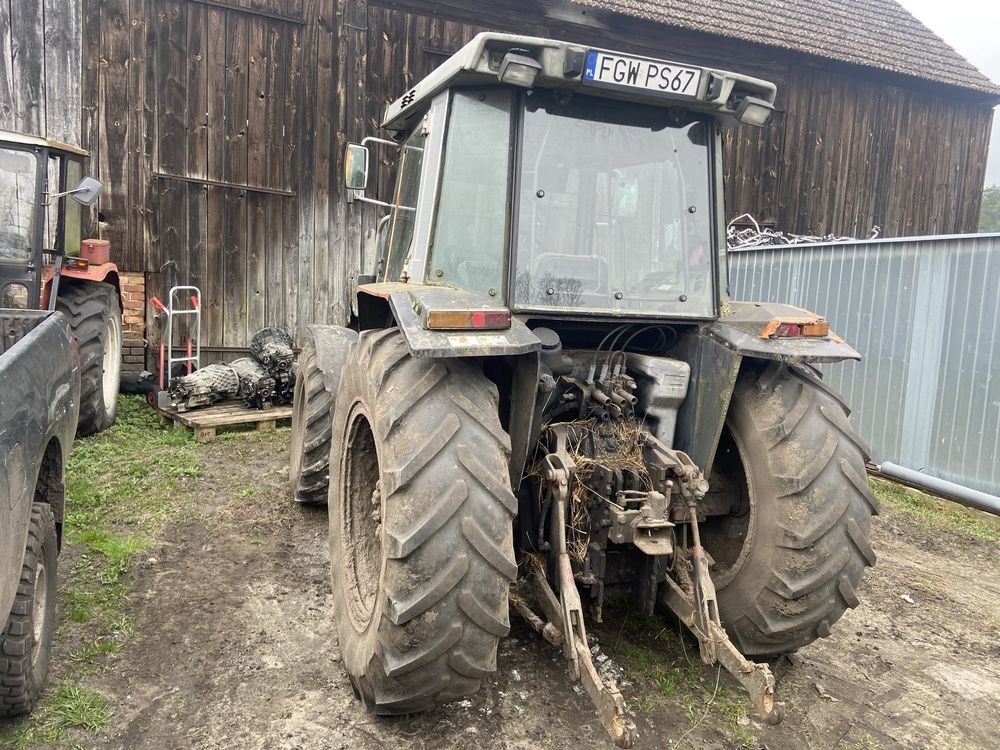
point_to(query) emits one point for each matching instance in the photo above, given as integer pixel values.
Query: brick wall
(133, 322)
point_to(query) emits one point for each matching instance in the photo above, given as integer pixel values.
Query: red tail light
(487, 320)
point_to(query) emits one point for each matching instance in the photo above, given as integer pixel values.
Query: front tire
(420, 509)
(317, 381)
(309, 452)
(795, 557)
(26, 640)
(95, 317)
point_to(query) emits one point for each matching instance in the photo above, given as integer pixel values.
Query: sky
(973, 28)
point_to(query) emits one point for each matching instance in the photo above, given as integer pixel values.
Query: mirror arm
(358, 195)
(372, 139)
(74, 191)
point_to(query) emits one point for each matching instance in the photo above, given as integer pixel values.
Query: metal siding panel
(925, 315)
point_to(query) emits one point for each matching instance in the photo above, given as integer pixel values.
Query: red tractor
(46, 264)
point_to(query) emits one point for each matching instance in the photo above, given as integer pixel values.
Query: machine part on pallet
(205, 386)
(256, 387)
(273, 349)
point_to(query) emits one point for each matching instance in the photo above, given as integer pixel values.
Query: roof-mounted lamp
(519, 70)
(752, 111)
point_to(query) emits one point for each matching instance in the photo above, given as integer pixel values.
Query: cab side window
(404, 205)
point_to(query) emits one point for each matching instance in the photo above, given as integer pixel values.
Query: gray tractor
(547, 398)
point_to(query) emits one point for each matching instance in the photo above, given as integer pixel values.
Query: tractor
(46, 264)
(546, 398)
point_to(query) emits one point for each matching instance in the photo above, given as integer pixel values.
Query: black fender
(333, 344)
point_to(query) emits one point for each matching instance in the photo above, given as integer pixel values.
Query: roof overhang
(21, 139)
(479, 61)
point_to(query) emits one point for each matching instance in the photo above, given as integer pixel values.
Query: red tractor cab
(45, 263)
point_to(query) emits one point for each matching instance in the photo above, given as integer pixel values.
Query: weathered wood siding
(40, 68)
(219, 126)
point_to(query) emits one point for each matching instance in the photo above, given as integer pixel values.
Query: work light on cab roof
(530, 62)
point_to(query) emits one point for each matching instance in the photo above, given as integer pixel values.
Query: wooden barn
(219, 125)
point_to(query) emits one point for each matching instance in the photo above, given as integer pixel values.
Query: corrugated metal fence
(925, 314)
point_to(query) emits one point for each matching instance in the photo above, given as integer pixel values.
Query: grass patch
(643, 645)
(122, 487)
(70, 706)
(936, 512)
(90, 653)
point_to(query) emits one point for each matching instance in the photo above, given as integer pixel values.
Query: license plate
(607, 69)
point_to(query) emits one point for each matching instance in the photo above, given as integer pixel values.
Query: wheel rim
(361, 522)
(111, 364)
(38, 610)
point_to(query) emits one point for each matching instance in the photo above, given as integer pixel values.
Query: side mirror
(86, 192)
(356, 167)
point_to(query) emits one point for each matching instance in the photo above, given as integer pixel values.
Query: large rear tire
(420, 508)
(789, 567)
(95, 317)
(26, 640)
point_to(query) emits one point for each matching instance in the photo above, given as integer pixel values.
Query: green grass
(68, 707)
(936, 513)
(868, 742)
(122, 487)
(669, 660)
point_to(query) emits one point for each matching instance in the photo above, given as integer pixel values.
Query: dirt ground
(234, 647)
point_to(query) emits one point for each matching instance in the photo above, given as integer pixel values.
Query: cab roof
(562, 67)
(22, 139)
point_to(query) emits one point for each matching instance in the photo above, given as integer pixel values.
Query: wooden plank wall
(40, 68)
(219, 126)
(197, 128)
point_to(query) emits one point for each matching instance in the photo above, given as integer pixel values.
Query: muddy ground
(233, 646)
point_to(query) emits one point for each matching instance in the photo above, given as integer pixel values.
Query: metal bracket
(558, 476)
(755, 678)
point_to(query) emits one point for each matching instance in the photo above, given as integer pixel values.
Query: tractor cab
(46, 263)
(563, 181)
(40, 231)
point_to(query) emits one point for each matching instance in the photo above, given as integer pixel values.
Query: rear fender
(741, 325)
(717, 352)
(103, 272)
(333, 344)
(412, 306)
(510, 355)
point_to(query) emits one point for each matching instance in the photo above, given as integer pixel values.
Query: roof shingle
(873, 33)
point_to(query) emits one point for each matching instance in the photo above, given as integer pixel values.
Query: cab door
(22, 181)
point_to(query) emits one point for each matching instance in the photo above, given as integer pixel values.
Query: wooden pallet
(205, 420)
